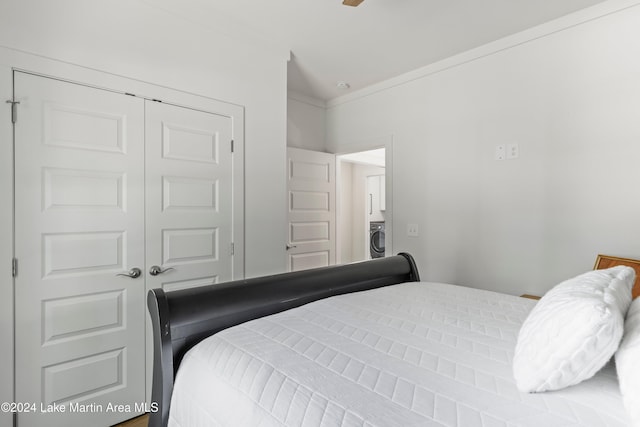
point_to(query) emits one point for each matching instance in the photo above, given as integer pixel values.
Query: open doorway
(362, 217)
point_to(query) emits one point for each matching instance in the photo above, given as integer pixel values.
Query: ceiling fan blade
(352, 2)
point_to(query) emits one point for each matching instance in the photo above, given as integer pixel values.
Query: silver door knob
(134, 273)
(156, 269)
(291, 247)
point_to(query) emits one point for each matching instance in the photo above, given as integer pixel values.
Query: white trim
(568, 21)
(305, 99)
(6, 242)
(239, 219)
(87, 76)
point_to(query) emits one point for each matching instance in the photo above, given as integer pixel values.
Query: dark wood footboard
(183, 318)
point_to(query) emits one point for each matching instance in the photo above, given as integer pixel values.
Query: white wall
(344, 212)
(569, 94)
(133, 39)
(305, 122)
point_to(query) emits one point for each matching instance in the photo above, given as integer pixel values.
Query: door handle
(156, 269)
(134, 273)
(291, 247)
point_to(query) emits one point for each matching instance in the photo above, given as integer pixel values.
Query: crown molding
(557, 25)
(306, 99)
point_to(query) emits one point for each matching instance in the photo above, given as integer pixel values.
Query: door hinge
(14, 267)
(232, 146)
(233, 248)
(14, 110)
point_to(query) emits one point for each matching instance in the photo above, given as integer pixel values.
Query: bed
(364, 344)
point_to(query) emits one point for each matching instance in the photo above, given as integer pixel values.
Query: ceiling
(370, 43)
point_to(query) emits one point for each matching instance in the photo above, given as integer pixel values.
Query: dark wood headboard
(185, 317)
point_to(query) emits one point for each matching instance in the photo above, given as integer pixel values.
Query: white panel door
(189, 197)
(78, 225)
(311, 209)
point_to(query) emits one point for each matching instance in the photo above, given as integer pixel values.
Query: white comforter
(415, 354)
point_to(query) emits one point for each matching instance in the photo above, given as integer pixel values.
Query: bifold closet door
(79, 238)
(189, 197)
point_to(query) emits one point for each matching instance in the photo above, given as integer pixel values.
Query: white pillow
(573, 330)
(628, 363)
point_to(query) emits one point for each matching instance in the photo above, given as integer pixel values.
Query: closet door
(188, 197)
(79, 233)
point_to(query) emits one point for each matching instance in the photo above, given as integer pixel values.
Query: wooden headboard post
(183, 318)
(607, 261)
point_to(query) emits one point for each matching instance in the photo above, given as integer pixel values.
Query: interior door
(189, 197)
(311, 209)
(79, 235)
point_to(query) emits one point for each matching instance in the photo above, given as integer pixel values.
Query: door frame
(13, 60)
(385, 142)
(6, 243)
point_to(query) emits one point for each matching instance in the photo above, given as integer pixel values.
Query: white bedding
(415, 354)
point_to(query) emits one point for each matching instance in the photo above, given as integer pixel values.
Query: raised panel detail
(192, 245)
(192, 283)
(196, 145)
(189, 193)
(307, 232)
(84, 377)
(82, 253)
(308, 201)
(78, 316)
(309, 260)
(309, 171)
(71, 127)
(80, 189)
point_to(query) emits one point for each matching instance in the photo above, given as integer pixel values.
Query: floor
(141, 421)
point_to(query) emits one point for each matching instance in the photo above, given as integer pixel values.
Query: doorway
(362, 216)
